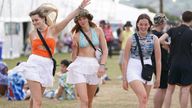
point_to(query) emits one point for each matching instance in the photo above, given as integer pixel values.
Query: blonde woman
(38, 68)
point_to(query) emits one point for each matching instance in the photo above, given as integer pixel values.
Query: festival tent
(15, 23)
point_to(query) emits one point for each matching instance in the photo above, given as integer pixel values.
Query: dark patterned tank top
(147, 46)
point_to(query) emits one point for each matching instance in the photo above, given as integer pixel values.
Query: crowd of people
(167, 51)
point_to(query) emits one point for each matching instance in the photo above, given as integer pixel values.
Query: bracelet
(102, 65)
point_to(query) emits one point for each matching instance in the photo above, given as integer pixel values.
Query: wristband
(102, 65)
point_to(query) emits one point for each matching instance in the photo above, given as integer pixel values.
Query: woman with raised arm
(39, 66)
(85, 70)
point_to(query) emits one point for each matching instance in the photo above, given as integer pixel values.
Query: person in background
(85, 70)
(180, 59)
(119, 30)
(67, 41)
(123, 40)
(3, 78)
(109, 38)
(38, 70)
(17, 86)
(106, 27)
(159, 25)
(103, 25)
(132, 67)
(64, 88)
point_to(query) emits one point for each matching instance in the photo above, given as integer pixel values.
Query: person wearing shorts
(132, 67)
(85, 70)
(123, 40)
(38, 70)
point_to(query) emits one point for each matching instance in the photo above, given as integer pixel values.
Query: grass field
(111, 94)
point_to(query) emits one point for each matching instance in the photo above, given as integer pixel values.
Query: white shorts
(37, 68)
(83, 70)
(134, 69)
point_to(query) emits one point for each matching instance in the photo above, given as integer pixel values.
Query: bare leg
(159, 98)
(148, 89)
(168, 96)
(31, 102)
(36, 92)
(91, 89)
(59, 92)
(185, 91)
(82, 93)
(140, 91)
(121, 68)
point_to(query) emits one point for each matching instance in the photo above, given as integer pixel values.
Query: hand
(125, 85)
(166, 47)
(101, 71)
(84, 3)
(157, 84)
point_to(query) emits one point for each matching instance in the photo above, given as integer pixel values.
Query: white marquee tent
(14, 15)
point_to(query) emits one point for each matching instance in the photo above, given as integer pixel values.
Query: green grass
(111, 94)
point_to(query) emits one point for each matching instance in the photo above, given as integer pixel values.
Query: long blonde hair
(47, 11)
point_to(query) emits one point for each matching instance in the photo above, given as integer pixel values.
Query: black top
(164, 63)
(181, 55)
(164, 54)
(181, 45)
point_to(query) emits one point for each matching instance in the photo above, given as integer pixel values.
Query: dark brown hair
(187, 16)
(144, 16)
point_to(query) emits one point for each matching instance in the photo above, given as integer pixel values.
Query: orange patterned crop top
(38, 47)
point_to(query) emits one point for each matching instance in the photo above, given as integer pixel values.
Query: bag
(147, 69)
(147, 72)
(54, 66)
(98, 54)
(98, 51)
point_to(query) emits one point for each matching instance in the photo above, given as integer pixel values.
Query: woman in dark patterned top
(132, 67)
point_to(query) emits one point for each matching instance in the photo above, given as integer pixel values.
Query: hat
(128, 24)
(83, 13)
(159, 18)
(102, 22)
